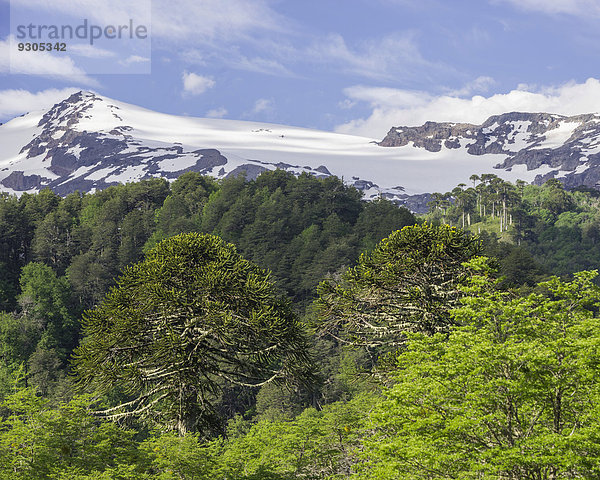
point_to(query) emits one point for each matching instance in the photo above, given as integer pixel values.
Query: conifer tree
(191, 318)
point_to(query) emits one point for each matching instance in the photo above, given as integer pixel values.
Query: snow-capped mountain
(88, 142)
(534, 146)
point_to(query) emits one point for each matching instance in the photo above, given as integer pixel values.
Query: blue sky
(355, 66)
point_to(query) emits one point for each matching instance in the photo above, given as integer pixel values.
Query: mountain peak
(66, 112)
(88, 142)
(557, 146)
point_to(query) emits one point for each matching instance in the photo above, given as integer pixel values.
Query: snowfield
(149, 134)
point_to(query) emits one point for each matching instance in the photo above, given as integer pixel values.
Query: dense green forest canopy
(300, 228)
(560, 229)
(60, 256)
(415, 358)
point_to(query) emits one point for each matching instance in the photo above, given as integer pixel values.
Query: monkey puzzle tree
(190, 318)
(407, 284)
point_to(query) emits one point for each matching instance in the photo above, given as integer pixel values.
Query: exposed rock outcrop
(569, 147)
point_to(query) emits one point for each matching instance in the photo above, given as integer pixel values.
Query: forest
(283, 328)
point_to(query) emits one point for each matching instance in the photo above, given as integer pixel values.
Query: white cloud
(194, 84)
(554, 7)
(479, 85)
(232, 58)
(57, 67)
(263, 105)
(382, 96)
(393, 56)
(346, 104)
(258, 65)
(213, 20)
(90, 51)
(191, 56)
(392, 107)
(216, 113)
(223, 31)
(108, 10)
(134, 59)
(18, 101)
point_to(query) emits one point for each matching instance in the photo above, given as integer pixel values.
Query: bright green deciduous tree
(190, 318)
(513, 394)
(46, 298)
(408, 283)
(315, 445)
(38, 442)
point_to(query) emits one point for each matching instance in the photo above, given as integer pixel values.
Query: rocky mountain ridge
(85, 160)
(568, 146)
(88, 142)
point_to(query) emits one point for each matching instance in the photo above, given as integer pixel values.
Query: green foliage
(508, 390)
(491, 385)
(511, 394)
(68, 442)
(314, 445)
(42, 334)
(37, 442)
(16, 232)
(301, 228)
(277, 402)
(516, 265)
(378, 219)
(174, 457)
(18, 338)
(46, 298)
(46, 315)
(57, 236)
(60, 256)
(559, 228)
(190, 318)
(344, 371)
(408, 283)
(112, 228)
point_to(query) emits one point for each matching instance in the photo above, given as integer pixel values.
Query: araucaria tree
(407, 284)
(191, 317)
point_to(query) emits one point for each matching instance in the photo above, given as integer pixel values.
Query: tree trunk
(504, 210)
(186, 418)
